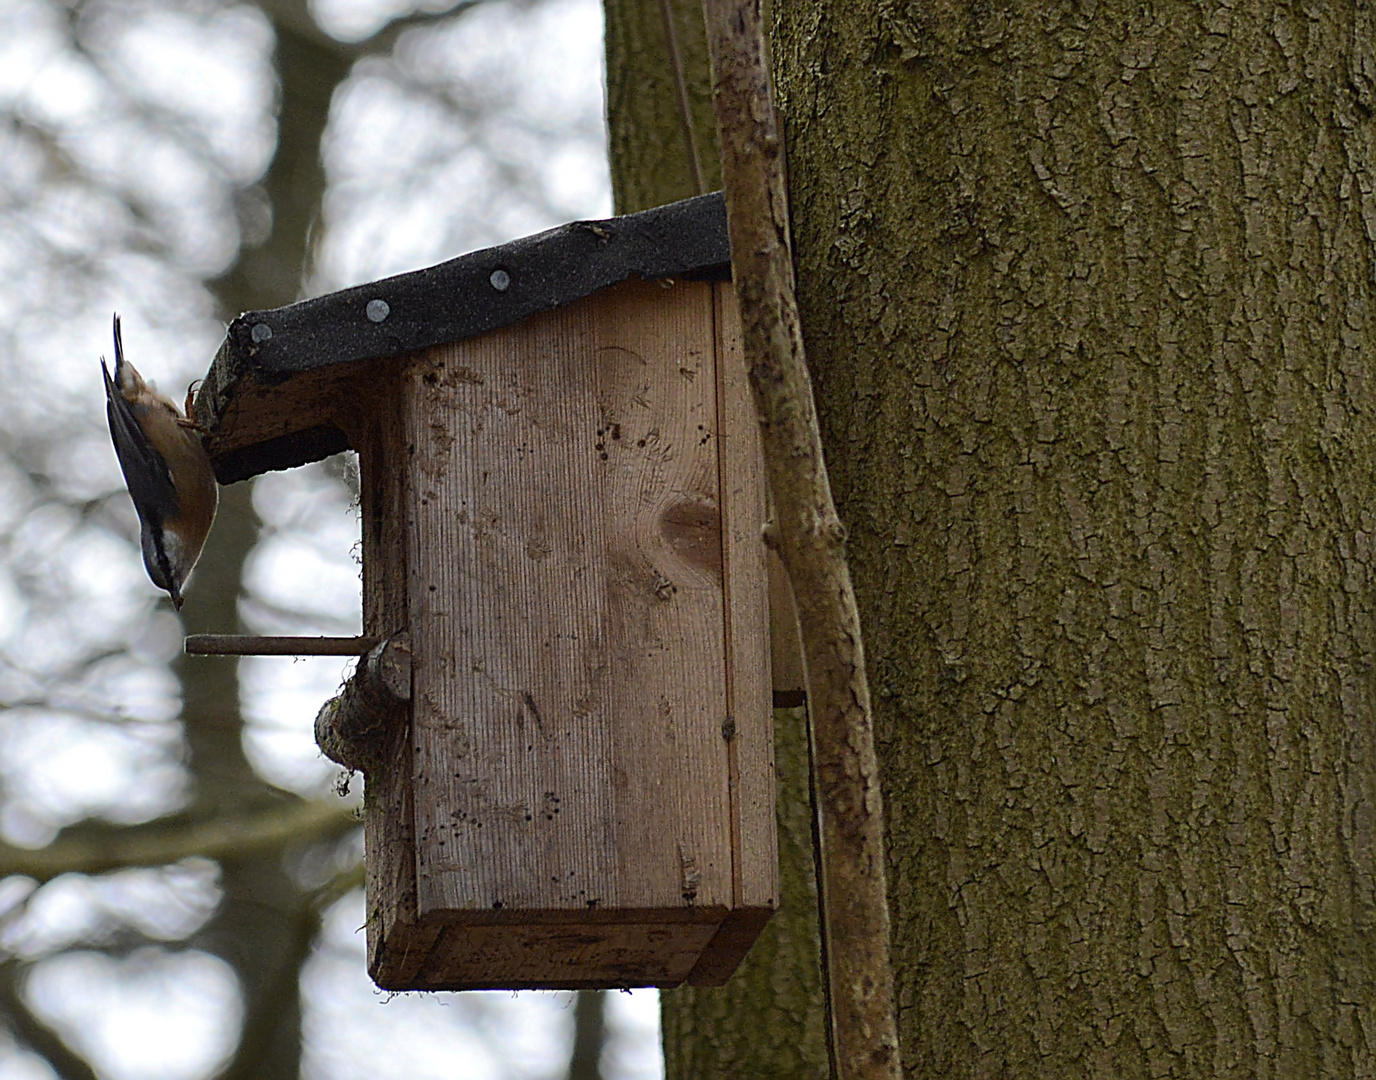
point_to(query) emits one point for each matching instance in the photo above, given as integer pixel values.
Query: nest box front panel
(571, 728)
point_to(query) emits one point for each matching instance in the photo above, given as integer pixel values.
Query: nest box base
(664, 948)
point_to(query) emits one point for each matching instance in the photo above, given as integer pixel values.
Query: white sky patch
(305, 576)
(63, 768)
(207, 68)
(165, 903)
(152, 1015)
(484, 129)
(16, 1064)
(633, 1051)
(30, 37)
(353, 1031)
(62, 87)
(13, 607)
(281, 696)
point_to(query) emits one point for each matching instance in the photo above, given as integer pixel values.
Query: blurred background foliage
(179, 890)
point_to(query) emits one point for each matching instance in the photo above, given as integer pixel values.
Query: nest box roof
(265, 351)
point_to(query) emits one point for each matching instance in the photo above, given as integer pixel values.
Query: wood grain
(397, 945)
(258, 413)
(566, 605)
(750, 747)
(756, 884)
(755, 881)
(566, 515)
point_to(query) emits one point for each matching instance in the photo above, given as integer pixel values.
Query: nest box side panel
(397, 943)
(744, 498)
(567, 622)
(657, 452)
(750, 718)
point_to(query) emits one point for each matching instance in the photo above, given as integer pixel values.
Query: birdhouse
(569, 779)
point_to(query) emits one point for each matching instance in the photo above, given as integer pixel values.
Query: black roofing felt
(477, 292)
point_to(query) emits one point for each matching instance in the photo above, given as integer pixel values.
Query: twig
(255, 645)
(811, 542)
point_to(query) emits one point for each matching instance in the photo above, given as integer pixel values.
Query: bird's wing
(145, 470)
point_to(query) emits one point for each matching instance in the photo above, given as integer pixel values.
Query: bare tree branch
(811, 541)
(95, 848)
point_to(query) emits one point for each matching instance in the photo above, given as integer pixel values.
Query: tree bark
(662, 135)
(1087, 293)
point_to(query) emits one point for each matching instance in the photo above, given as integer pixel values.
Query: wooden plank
(785, 645)
(743, 487)
(659, 424)
(259, 413)
(397, 947)
(513, 765)
(566, 611)
(657, 950)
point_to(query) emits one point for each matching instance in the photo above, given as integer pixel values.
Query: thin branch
(96, 848)
(811, 542)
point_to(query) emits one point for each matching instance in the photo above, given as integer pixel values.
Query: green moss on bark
(1087, 292)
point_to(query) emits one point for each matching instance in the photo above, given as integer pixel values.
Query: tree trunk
(1086, 292)
(589, 1035)
(663, 142)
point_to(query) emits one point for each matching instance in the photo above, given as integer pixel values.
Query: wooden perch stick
(253, 645)
(811, 542)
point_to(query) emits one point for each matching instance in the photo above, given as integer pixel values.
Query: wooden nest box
(562, 501)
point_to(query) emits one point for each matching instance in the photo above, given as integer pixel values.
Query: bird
(167, 470)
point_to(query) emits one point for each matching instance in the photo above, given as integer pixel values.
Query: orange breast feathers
(178, 442)
(167, 470)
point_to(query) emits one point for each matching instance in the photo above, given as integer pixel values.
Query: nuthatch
(167, 470)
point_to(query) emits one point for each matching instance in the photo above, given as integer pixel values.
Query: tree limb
(811, 542)
(97, 848)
